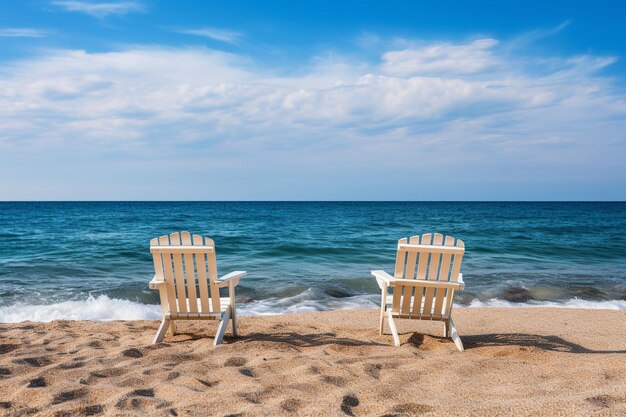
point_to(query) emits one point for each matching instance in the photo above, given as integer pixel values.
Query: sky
(323, 100)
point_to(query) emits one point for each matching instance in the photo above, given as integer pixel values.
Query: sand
(516, 362)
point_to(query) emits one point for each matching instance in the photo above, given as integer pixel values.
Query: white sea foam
(309, 300)
(104, 308)
(101, 308)
(572, 303)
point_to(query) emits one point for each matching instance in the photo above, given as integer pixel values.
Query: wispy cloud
(431, 119)
(537, 34)
(22, 33)
(221, 35)
(100, 9)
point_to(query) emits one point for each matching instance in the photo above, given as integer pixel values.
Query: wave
(101, 308)
(104, 308)
(571, 303)
(313, 299)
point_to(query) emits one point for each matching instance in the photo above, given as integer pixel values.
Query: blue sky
(283, 100)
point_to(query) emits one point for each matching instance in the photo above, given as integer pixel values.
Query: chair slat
(190, 273)
(158, 272)
(407, 296)
(400, 260)
(399, 273)
(181, 293)
(444, 270)
(212, 264)
(203, 285)
(433, 269)
(421, 274)
(190, 280)
(454, 275)
(430, 248)
(168, 275)
(181, 249)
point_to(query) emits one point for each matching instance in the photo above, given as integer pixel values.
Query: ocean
(91, 260)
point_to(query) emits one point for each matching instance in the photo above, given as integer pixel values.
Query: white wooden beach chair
(427, 275)
(186, 277)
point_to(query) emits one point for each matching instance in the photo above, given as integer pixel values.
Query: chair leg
(446, 331)
(394, 331)
(221, 329)
(234, 319)
(233, 305)
(383, 305)
(173, 327)
(455, 336)
(161, 332)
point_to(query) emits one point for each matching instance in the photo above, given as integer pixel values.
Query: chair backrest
(431, 258)
(187, 265)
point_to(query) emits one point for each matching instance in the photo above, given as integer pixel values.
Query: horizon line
(312, 201)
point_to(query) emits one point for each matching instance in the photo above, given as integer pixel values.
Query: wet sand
(517, 362)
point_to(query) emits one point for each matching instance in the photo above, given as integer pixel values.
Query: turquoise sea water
(91, 259)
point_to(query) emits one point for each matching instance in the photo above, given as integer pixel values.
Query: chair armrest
(382, 278)
(424, 283)
(233, 278)
(155, 284)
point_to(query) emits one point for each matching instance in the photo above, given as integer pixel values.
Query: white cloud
(99, 9)
(441, 108)
(22, 33)
(441, 58)
(222, 35)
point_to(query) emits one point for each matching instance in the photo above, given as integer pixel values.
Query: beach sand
(517, 362)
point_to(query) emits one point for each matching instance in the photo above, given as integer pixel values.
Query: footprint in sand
(606, 401)
(291, 405)
(349, 401)
(37, 383)
(69, 396)
(334, 380)
(207, 383)
(37, 362)
(108, 373)
(93, 410)
(235, 361)
(136, 404)
(314, 370)
(147, 392)
(172, 375)
(253, 397)
(373, 370)
(136, 400)
(71, 365)
(247, 372)
(132, 353)
(5, 371)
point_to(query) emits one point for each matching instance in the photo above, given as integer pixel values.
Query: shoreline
(522, 361)
(106, 308)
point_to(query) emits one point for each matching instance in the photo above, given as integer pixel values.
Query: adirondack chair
(426, 276)
(186, 278)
